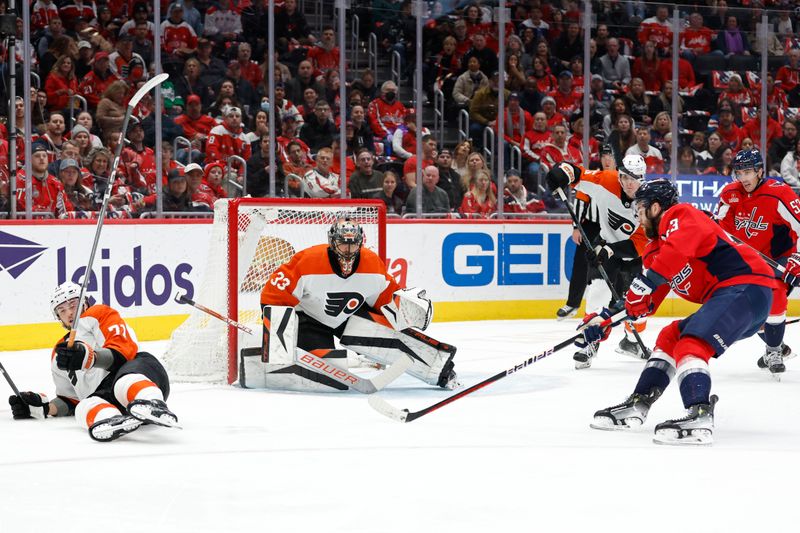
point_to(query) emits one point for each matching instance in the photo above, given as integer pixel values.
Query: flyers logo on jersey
(342, 302)
(618, 222)
(749, 224)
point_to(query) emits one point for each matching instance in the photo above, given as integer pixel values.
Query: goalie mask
(345, 239)
(64, 293)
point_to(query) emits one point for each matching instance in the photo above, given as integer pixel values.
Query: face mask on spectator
(265, 107)
(390, 96)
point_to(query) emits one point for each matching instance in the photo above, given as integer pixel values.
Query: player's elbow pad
(409, 308)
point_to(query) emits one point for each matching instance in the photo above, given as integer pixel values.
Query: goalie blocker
(341, 291)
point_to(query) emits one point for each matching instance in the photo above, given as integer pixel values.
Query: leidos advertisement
(137, 268)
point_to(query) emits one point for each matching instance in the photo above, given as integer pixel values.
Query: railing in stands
(82, 101)
(463, 125)
(239, 189)
(355, 48)
(181, 140)
(395, 67)
(430, 215)
(489, 148)
(438, 116)
(372, 53)
(516, 158)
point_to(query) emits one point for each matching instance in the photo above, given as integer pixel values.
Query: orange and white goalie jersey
(309, 283)
(617, 218)
(100, 326)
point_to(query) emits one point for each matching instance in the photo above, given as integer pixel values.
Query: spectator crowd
(91, 57)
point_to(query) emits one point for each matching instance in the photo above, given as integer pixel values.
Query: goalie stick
(182, 299)
(600, 268)
(146, 88)
(316, 364)
(404, 415)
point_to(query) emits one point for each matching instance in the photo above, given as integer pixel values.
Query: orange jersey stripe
(137, 387)
(90, 416)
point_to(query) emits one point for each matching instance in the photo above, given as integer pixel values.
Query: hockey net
(250, 238)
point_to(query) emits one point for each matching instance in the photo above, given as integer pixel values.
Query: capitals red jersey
(696, 257)
(310, 283)
(384, 118)
(323, 58)
(653, 30)
(174, 36)
(788, 77)
(534, 142)
(99, 326)
(694, 39)
(567, 103)
(768, 219)
(222, 144)
(42, 13)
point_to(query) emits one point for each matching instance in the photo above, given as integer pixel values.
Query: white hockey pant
(384, 345)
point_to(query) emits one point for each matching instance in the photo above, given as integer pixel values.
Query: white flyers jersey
(99, 326)
(309, 283)
(617, 218)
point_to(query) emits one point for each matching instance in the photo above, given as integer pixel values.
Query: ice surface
(516, 456)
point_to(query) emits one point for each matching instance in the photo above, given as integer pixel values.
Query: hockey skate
(153, 411)
(566, 311)
(113, 428)
(583, 357)
(631, 349)
(695, 428)
(629, 414)
(786, 353)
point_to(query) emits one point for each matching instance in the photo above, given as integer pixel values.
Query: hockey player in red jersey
(342, 290)
(103, 379)
(693, 256)
(620, 243)
(765, 214)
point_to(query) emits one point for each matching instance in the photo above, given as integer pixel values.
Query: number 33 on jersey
(312, 283)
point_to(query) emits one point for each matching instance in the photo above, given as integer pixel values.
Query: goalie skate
(153, 411)
(114, 427)
(566, 311)
(631, 349)
(695, 428)
(627, 415)
(448, 379)
(583, 357)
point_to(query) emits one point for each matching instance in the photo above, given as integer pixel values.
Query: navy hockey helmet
(659, 190)
(747, 159)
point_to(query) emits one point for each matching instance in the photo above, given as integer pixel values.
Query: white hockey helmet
(634, 166)
(63, 293)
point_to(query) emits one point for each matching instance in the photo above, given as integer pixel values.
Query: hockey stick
(357, 383)
(770, 261)
(182, 299)
(603, 273)
(404, 415)
(146, 88)
(8, 378)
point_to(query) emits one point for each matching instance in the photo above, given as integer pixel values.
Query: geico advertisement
(138, 268)
(461, 262)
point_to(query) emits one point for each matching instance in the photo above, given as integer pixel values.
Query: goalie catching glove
(409, 308)
(29, 405)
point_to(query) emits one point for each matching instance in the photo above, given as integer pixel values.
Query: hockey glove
(79, 357)
(600, 254)
(792, 274)
(29, 405)
(560, 176)
(639, 298)
(591, 328)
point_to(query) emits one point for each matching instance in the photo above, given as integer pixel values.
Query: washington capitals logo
(618, 222)
(346, 302)
(750, 225)
(17, 254)
(680, 278)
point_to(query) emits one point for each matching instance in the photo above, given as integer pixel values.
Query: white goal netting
(267, 234)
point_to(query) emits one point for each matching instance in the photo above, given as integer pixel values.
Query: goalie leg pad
(279, 334)
(385, 345)
(254, 373)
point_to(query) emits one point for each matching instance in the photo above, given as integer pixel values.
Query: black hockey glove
(79, 357)
(29, 405)
(601, 253)
(561, 175)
